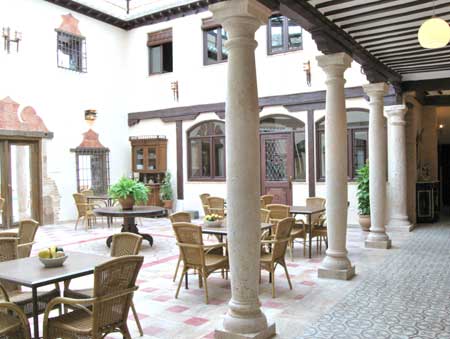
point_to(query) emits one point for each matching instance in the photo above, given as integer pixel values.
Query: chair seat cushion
(8, 324)
(77, 321)
(214, 260)
(80, 294)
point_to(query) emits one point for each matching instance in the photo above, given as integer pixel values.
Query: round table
(129, 224)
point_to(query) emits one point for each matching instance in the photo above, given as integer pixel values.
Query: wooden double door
(20, 183)
(277, 159)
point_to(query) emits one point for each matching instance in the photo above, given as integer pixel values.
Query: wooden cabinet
(149, 154)
(149, 163)
(427, 202)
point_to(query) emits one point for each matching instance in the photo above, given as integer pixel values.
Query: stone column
(336, 264)
(377, 166)
(398, 174)
(241, 19)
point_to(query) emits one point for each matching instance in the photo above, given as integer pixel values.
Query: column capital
(396, 114)
(375, 90)
(234, 15)
(334, 64)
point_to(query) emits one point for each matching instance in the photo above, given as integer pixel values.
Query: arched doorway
(283, 155)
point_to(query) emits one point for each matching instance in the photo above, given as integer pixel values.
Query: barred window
(71, 52)
(92, 166)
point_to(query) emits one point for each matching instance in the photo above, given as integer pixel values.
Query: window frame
(220, 46)
(161, 65)
(285, 36)
(212, 142)
(81, 66)
(351, 129)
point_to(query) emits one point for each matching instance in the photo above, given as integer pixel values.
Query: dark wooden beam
(426, 85)
(398, 56)
(437, 100)
(364, 6)
(381, 37)
(332, 3)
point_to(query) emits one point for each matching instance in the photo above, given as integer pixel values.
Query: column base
(381, 244)
(399, 224)
(269, 332)
(345, 274)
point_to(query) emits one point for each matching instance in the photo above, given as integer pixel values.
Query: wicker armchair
(216, 205)
(203, 198)
(179, 217)
(87, 192)
(298, 232)
(114, 285)
(318, 228)
(278, 244)
(123, 244)
(85, 210)
(265, 215)
(266, 200)
(196, 255)
(277, 212)
(10, 292)
(25, 235)
(13, 322)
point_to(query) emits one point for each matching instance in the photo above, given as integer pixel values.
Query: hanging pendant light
(434, 32)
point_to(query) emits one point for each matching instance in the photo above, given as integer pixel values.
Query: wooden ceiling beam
(426, 85)
(387, 36)
(415, 51)
(332, 3)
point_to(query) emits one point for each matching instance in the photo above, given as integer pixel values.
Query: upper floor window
(357, 143)
(206, 151)
(160, 52)
(284, 35)
(214, 38)
(71, 52)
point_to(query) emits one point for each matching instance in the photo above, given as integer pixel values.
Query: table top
(137, 211)
(224, 231)
(305, 210)
(31, 272)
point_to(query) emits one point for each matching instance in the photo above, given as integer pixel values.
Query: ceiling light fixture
(434, 32)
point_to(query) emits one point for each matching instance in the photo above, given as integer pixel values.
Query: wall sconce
(174, 88)
(441, 126)
(8, 39)
(90, 115)
(307, 69)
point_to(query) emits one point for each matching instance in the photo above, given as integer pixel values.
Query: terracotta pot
(168, 204)
(128, 203)
(364, 222)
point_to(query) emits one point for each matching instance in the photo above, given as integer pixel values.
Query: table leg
(35, 313)
(310, 235)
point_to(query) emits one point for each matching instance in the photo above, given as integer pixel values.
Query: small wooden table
(30, 272)
(129, 224)
(303, 210)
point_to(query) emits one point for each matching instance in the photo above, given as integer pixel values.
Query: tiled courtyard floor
(163, 316)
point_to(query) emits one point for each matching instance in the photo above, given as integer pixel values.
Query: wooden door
(277, 168)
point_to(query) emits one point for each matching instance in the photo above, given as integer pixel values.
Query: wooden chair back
(180, 217)
(278, 211)
(81, 203)
(203, 198)
(282, 237)
(125, 243)
(114, 284)
(266, 200)
(265, 215)
(315, 202)
(9, 251)
(190, 240)
(216, 205)
(88, 192)
(27, 230)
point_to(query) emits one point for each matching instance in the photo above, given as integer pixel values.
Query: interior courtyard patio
(225, 169)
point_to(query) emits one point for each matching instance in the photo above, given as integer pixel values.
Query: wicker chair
(13, 322)
(216, 205)
(85, 210)
(278, 244)
(266, 200)
(298, 232)
(318, 227)
(265, 215)
(203, 198)
(25, 235)
(10, 292)
(277, 212)
(87, 192)
(179, 217)
(114, 285)
(123, 244)
(196, 255)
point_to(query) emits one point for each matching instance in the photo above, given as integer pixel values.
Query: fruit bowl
(215, 223)
(53, 262)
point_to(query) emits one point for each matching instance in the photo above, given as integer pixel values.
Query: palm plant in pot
(363, 197)
(128, 192)
(166, 192)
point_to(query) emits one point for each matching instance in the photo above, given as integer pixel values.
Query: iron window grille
(71, 52)
(92, 166)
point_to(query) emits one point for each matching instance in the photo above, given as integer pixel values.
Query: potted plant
(128, 192)
(363, 197)
(166, 192)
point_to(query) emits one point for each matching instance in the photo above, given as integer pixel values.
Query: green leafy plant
(126, 187)
(363, 190)
(166, 191)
